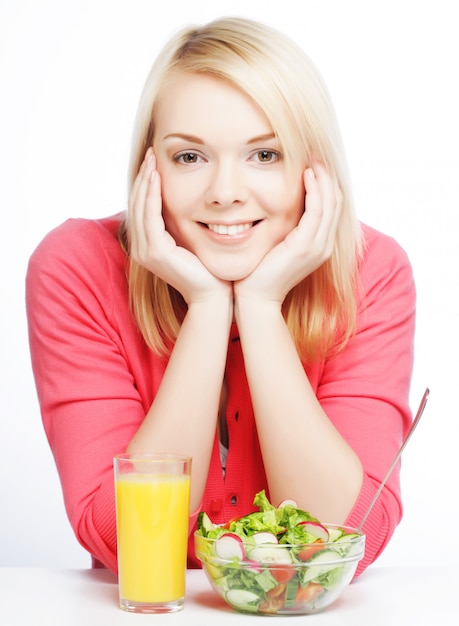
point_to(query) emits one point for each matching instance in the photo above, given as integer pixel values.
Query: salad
(277, 560)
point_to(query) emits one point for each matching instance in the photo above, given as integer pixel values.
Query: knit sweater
(96, 380)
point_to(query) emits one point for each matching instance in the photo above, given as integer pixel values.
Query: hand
(154, 248)
(305, 248)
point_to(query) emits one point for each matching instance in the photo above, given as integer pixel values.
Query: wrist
(248, 310)
(211, 309)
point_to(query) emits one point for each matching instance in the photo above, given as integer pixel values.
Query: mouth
(231, 229)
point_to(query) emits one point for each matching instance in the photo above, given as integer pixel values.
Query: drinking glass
(152, 512)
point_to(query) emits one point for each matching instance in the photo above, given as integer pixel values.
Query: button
(233, 500)
(216, 506)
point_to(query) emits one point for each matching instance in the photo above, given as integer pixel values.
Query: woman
(239, 313)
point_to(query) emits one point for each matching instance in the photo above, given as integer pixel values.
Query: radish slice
(230, 546)
(253, 566)
(290, 502)
(316, 529)
(264, 537)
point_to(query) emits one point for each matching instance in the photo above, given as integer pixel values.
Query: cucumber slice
(204, 523)
(243, 599)
(347, 537)
(348, 546)
(321, 563)
(335, 533)
(275, 555)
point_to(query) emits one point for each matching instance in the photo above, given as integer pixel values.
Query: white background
(71, 72)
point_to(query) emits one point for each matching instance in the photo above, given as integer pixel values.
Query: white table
(381, 597)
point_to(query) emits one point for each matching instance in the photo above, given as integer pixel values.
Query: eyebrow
(261, 138)
(194, 139)
(190, 138)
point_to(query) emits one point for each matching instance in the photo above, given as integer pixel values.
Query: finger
(313, 201)
(140, 178)
(153, 222)
(323, 202)
(137, 204)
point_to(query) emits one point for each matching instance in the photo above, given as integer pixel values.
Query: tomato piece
(228, 524)
(272, 605)
(275, 599)
(283, 573)
(308, 552)
(276, 591)
(308, 593)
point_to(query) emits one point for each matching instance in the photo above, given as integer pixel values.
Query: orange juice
(152, 524)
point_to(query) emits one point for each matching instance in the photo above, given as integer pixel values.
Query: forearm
(183, 415)
(305, 457)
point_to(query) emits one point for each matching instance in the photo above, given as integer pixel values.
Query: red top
(96, 380)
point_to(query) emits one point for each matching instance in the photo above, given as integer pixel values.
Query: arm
(83, 346)
(365, 391)
(183, 415)
(304, 455)
(95, 377)
(327, 441)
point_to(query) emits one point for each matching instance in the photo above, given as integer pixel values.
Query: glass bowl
(258, 576)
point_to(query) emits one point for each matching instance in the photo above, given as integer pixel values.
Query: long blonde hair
(276, 74)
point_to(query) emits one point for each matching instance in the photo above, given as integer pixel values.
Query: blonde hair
(276, 74)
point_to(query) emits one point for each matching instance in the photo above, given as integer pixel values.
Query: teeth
(233, 229)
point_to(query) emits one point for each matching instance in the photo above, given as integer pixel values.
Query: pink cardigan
(96, 380)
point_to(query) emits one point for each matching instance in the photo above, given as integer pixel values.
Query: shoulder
(378, 245)
(79, 252)
(80, 245)
(80, 237)
(382, 256)
(386, 273)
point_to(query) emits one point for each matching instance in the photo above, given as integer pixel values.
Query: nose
(227, 185)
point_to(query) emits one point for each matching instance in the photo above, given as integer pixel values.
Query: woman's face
(227, 196)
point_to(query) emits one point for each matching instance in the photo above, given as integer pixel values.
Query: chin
(231, 275)
(231, 272)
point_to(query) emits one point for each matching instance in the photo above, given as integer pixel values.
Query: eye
(266, 156)
(188, 158)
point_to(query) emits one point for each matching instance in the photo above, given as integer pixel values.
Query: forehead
(207, 106)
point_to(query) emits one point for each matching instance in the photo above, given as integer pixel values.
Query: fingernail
(310, 173)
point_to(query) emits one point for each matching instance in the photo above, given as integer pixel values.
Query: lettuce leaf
(282, 522)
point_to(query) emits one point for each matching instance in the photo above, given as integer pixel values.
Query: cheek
(176, 217)
(172, 198)
(171, 207)
(294, 207)
(173, 224)
(287, 194)
(179, 193)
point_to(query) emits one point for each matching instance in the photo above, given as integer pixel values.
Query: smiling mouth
(231, 229)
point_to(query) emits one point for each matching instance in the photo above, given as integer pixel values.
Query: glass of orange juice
(152, 512)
